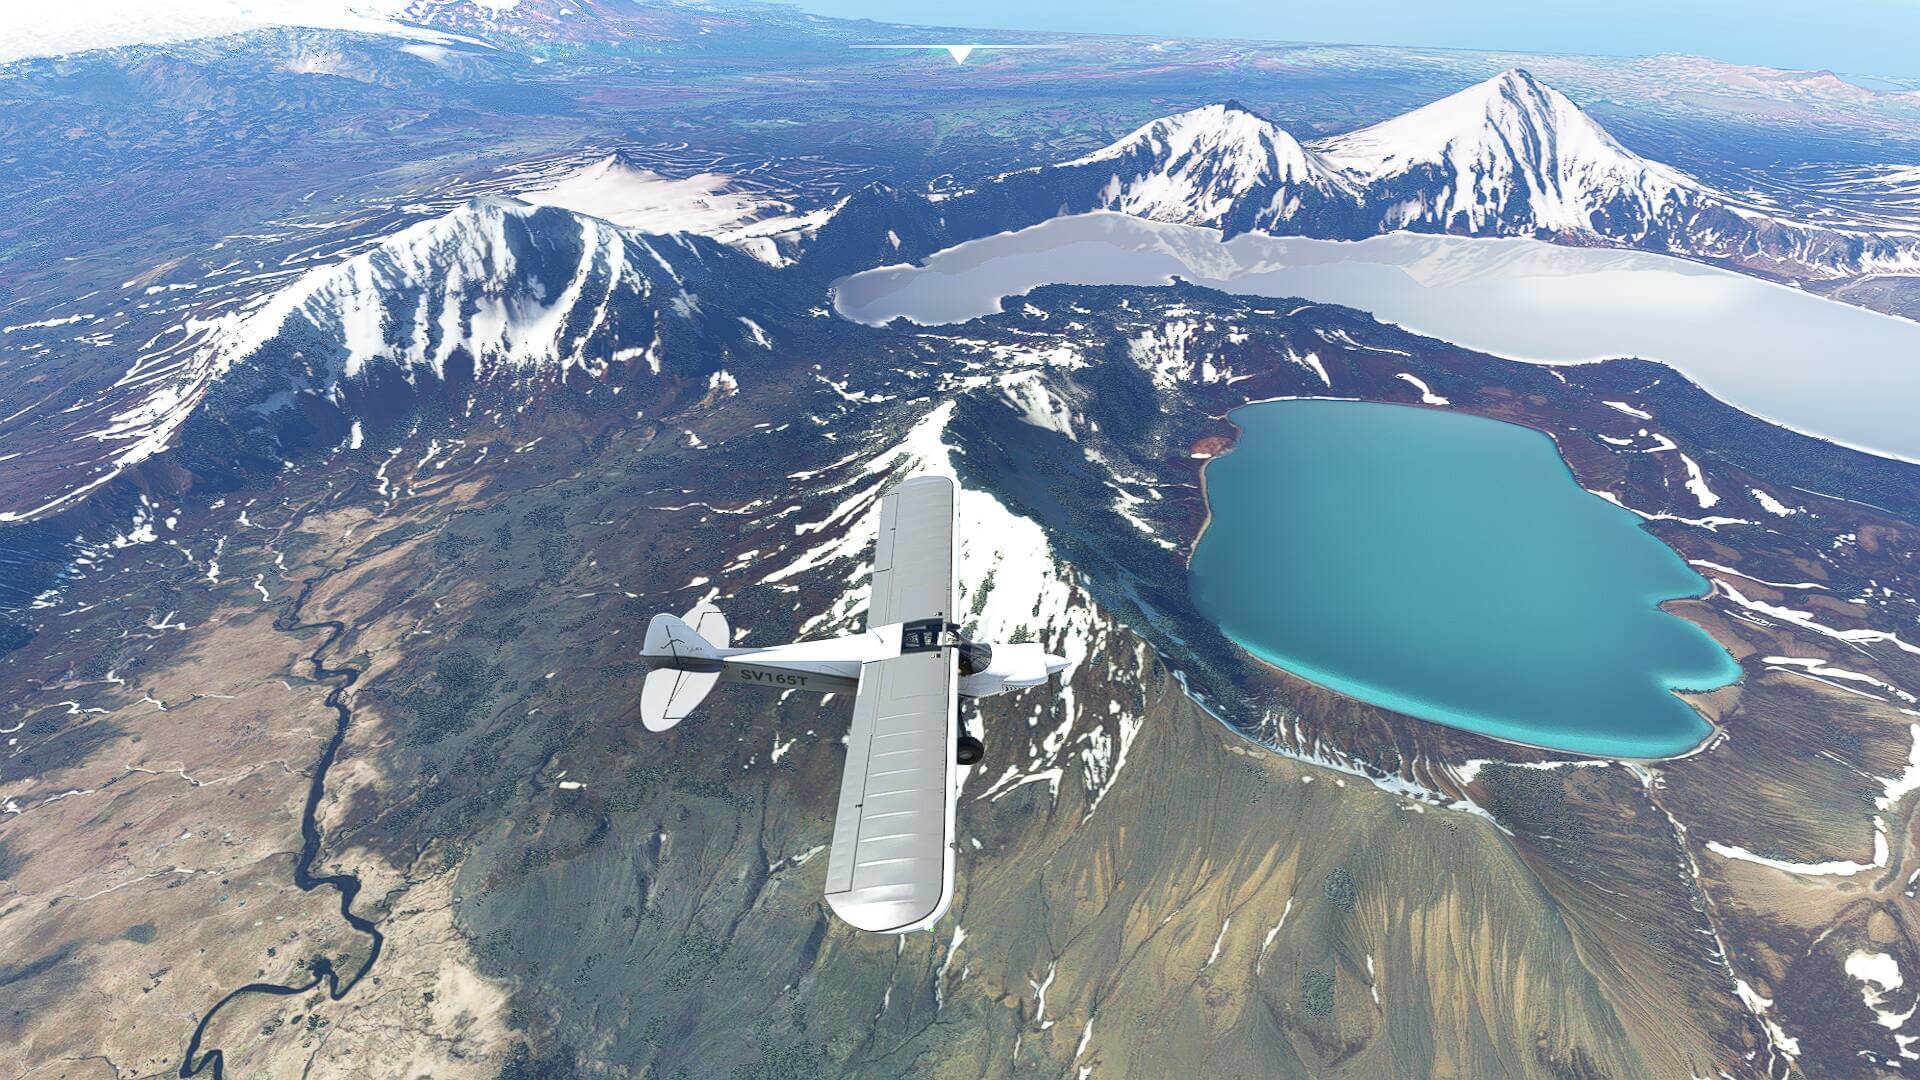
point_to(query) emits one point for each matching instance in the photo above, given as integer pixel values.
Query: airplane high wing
(913, 556)
(891, 865)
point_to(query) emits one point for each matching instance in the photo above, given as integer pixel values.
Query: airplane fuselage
(832, 665)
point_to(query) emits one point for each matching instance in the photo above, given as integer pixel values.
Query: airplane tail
(687, 658)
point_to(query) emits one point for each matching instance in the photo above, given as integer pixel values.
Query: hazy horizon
(1854, 37)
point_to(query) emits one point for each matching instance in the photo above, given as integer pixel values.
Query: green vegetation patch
(1316, 992)
(1340, 892)
(1534, 802)
(451, 700)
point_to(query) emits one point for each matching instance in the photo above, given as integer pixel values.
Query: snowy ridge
(540, 294)
(1509, 156)
(63, 29)
(1033, 595)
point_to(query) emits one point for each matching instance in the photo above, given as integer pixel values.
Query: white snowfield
(28, 29)
(710, 204)
(1879, 976)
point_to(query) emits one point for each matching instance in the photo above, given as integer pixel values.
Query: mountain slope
(1259, 915)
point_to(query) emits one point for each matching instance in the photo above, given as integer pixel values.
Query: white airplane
(891, 866)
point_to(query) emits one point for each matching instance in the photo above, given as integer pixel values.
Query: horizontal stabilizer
(670, 695)
(686, 652)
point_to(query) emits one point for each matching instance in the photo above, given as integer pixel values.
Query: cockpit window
(975, 657)
(922, 635)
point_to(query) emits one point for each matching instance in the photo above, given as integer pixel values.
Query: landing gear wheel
(968, 750)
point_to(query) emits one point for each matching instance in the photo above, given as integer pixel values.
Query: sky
(1861, 37)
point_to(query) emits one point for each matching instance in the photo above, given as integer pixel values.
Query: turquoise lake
(1450, 567)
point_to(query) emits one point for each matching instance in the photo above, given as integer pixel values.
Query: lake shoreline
(1715, 730)
(1795, 359)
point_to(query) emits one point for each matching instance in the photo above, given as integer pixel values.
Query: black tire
(969, 750)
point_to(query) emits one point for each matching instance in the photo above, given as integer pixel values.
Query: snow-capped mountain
(1222, 166)
(495, 294)
(511, 286)
(1509, 154)
(1513, 156)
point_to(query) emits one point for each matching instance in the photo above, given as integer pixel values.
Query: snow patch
(1697, 484)
(1427, 396)
(709, 204)
(1217, 941)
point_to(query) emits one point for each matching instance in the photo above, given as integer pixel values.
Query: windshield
(975, 657)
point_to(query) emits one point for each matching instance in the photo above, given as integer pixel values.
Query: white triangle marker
(959, 51)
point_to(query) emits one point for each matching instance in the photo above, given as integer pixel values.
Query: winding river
(347, 885)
